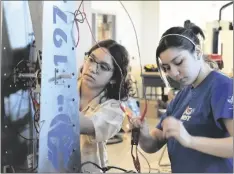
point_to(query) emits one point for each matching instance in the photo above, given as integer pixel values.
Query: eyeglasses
(103, 66)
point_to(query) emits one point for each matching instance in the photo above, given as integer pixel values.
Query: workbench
(153, 79)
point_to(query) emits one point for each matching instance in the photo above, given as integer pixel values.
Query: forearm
(222, 147)
(86, 126)
(150, 143)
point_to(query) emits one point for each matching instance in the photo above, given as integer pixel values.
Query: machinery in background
(20, 88)
(36, 102)
(218, 44)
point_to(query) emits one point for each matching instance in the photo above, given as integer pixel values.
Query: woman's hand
(175, 128)
(135, 122)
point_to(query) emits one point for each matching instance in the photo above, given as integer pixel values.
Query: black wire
(34, 121)
(17, 132)
(79, 13)
(89, 162)
(105, 169)
(26, 170)
(76, 20)
(145, 159)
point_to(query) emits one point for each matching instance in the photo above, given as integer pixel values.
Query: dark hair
(120, 54)
(190, 30)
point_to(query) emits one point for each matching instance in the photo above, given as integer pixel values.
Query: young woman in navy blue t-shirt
(198, 123)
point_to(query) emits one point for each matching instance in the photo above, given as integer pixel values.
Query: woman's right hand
(135, 122)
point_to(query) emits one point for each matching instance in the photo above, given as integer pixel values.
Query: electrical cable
(34, 121)
(122, 78)
(136, 161)
(136, 137)
(25, 170)
(28, 139)
(105, 169)
(138, 47)
(145, 160)
(77, 21)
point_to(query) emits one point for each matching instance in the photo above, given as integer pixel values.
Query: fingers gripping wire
(136, 132)
(78, 12)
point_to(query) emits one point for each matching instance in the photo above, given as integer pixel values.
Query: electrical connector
(135, 136)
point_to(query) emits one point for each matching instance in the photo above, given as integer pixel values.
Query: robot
(42, 70)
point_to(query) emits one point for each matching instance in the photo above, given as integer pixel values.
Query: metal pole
(1, 56)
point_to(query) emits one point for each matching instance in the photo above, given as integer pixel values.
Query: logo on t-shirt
(230, 101)
(187, 114)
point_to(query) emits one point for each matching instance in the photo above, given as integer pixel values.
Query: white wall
(124, 32)
(150, 30)
(151, 19)
(174, 13)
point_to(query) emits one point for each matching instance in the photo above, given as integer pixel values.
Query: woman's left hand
(173, 127)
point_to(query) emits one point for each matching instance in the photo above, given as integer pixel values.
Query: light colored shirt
(107, 118)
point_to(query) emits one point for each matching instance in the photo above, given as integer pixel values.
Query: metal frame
(59, 142)
(0, 56)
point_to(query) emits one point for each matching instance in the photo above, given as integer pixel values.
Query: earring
(112, 84)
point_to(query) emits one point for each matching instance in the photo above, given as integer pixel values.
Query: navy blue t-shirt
(201, 110)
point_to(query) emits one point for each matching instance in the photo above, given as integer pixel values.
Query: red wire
(135, 160)
(122, 108)
(142, 115)
(78, 30)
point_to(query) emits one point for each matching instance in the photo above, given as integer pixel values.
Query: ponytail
(198, 31)
(194, 28)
